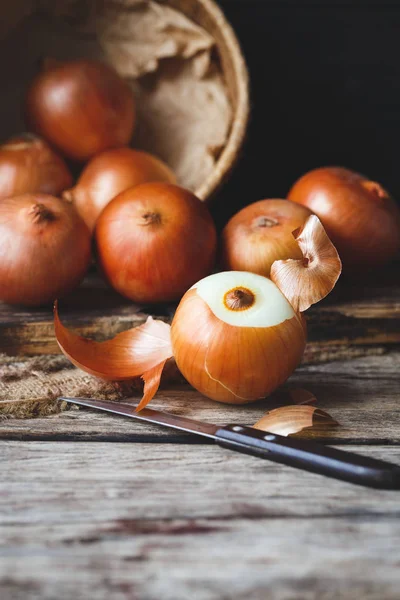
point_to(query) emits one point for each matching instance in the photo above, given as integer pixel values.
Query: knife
(294, 452)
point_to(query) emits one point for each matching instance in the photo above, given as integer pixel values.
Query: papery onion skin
(45, 249)
(360, 217)
(261, 233)
(81, 107)
(29, 165)
(154, 241)
(308, 280)
(230, 363)
(110, 173)
(288, 420)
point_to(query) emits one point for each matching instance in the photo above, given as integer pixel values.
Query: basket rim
(237, 133)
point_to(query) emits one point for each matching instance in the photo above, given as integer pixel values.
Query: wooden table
(98, 507)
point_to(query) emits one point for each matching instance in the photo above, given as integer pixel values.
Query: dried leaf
(138, 352)
(292, 419)
(306, 281)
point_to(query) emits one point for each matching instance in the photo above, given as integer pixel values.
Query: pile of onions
(235, 336)
(81, 107)
(110, 173)
(44, 249)
(260, 234)
(154, 241)
(360, 217)
(28, 164)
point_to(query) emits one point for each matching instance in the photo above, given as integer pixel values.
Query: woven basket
(38, 27)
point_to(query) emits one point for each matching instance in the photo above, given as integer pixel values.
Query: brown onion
(44, 249)
(154, 241)
(28, 164)
(81, 107)
(260, 234)
(360, 217)
(110, 173)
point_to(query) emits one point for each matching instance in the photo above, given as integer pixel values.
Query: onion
(110, 173)
(81, 107)
(44, 249)
(261, 233)
(28, 164)
(154, 241)
(236, 338)
(359, 216)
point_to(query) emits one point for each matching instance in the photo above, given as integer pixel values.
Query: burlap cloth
(29, 386)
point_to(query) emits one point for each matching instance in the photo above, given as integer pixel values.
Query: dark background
(325, 87)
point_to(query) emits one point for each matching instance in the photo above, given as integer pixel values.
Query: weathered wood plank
(353, 320)
(117, 521)
(363, 395)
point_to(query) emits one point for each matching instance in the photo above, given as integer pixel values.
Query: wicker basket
(31, 28)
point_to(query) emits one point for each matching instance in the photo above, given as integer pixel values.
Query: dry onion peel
(288, 420)
(290, 396)
(139, 352)
(306, 281)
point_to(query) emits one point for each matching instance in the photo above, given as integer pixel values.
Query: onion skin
(29, 165)
(234, 364)
(261, 233)
(81, 107)
(154, 241)
(45, 249)
(110, 173)
(308, 280)
(359, 216)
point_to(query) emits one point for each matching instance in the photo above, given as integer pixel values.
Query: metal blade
(149, 415)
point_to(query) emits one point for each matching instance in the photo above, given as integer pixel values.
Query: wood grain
(354, 320)
(362, 395)
(119, 521)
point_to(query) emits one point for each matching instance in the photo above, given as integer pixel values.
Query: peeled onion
(236, 338)
(81, 107)
(28, 164)
(110, 173)
(261, 233)
(45, 249)
(359, 215)
(154, 241)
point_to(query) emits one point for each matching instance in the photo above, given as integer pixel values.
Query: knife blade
(295, 452)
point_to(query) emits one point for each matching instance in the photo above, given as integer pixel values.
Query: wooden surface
(357, 319)
(95, 506)
(152, 521)
(362, 395)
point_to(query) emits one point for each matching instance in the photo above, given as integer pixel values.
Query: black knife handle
(310, 456)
